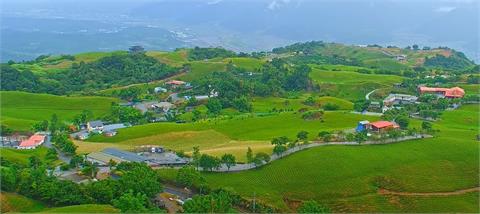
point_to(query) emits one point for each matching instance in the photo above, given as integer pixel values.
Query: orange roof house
(455, 92)
(175, 82)
(383, 125)
(32, 142)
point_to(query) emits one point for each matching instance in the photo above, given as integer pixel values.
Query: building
(455, 92)
(33, 142)
(110, 133)
(397, 99)
(401, 57)
(164, 106)
(159, 90)
(380, 126)
(95, 126)
(362, 126)
(127, 156)
(102, 159)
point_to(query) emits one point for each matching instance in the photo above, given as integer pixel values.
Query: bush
(331, 106)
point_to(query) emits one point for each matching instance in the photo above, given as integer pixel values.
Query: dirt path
(456, 192)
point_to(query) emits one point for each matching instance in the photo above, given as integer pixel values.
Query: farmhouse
(127, 156)
(33, 142)
(378, 126)
(397, 99)
(455, 92)
(177, 84)
(95, 126)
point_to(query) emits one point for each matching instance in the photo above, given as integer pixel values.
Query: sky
(33, 27)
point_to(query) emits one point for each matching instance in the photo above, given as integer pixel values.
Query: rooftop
(128, 156)
(34, 140)
(96, 123)
(383, 124)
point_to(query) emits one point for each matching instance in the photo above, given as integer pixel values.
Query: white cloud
(214, 1)
(445, 9)
(275, 4)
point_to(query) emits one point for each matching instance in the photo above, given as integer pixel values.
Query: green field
(217, 137)
(344, 177)
(15, 203)
(84, 208)
(350, 85)
(21, 156)
(12, 202)
(247, 128)
(20, 109)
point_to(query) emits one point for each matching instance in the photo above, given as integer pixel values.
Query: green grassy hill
(350, 85)
(15, 203)
(20, 109)
(346, 178)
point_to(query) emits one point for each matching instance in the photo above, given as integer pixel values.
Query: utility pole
(254, 202)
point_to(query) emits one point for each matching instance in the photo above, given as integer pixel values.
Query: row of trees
(130, 193)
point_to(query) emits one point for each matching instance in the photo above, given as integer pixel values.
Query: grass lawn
(217, 137)
(20, 109)
(350, 85)
(12, 202)
(200, 69)
(251, 64)
(344, 177)
(21, 156)
(267, 104)
(247, 128)
(84, 208)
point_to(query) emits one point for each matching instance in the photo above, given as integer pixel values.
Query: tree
(51, 154)
(187, 176)
(394, 134)
(261, 158)
(402, 121)
(196, 156)
(426, 126)
(312, 207)
(76, 160)
(197, 115)
(54, 123)
(90, 169)
(140, 178)
(361, 137)
(280, 144)
(40, 126)
(208, 162)
(34, 162)
(214, 106)
(302, 135)
(415, 47)
(309, 101)
(228, 160)
(131, 203)
(5, 130)
(111, 164)
(103, 191)
(217, 202)
(249, 155)
(136, 49)
(8, 178)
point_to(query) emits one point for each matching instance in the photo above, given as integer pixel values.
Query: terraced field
(346, 178)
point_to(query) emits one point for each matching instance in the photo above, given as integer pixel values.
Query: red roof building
(175, 82)
(32, 142)
(455, 92)
(383, 125)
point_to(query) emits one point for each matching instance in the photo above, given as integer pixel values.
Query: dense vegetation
(457, 61)
(198, 53)
(119, 69)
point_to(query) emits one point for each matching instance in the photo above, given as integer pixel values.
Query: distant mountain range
(33, 27)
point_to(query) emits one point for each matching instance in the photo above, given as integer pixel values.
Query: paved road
(367, 97)
(62, 156)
